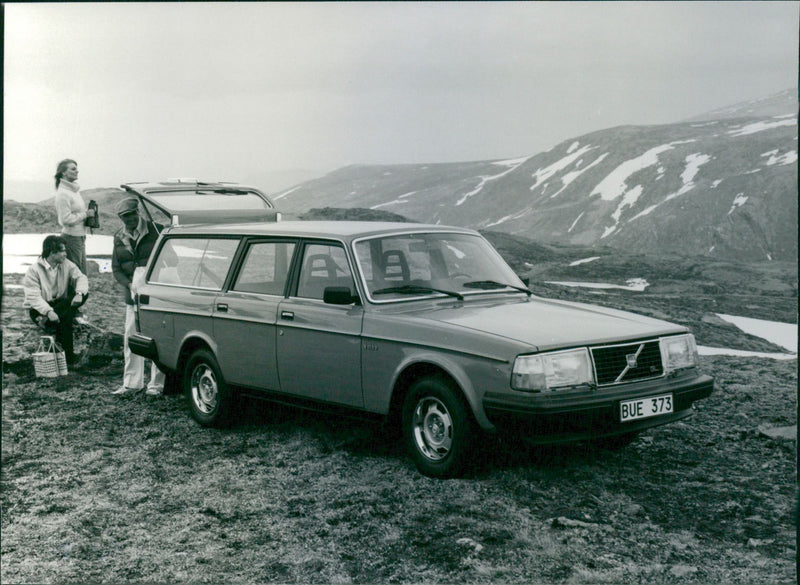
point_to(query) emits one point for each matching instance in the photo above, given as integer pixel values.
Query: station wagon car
(423, 326)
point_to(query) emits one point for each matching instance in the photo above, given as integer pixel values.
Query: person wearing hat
(133, 244)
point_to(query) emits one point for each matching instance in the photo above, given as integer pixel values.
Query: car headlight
(678, 352)
(549, 371)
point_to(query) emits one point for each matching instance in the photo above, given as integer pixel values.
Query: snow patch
(782, 334)
(486, 178)
(762, 126)
(642, 213)
(693, 164)
(788, 158)
(711, 351)
(614, 185)
(512, 162)
(509, 218)
(543, 174)
(738, 201)
(632, 284)
(584, 261)
(573, 146)
(716, 183)
(575, 222)
(401, 199)
(569, 177)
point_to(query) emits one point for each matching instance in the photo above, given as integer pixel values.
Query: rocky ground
(95, 488)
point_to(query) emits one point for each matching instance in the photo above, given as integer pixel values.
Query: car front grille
(611, 362)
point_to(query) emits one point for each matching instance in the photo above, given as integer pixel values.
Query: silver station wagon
(424, 326)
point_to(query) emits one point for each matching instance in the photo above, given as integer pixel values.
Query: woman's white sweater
(71, 209)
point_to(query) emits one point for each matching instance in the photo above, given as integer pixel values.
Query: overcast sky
(232, 91)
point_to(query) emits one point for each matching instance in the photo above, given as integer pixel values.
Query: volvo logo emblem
(631, 360)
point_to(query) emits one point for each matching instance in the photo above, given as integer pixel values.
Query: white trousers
(133, 372)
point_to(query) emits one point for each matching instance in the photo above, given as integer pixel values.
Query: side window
(323, 265)
(265, 268)
(194, 262)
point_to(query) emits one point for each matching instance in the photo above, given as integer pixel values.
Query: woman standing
(72, 212)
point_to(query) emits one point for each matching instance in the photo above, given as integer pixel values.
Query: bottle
(94, 220)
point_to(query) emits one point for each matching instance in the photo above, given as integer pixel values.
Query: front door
(319, 345)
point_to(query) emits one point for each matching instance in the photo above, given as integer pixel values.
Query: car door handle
(288, 315)
(222, 307)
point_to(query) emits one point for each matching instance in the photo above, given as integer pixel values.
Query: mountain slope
(721, 187)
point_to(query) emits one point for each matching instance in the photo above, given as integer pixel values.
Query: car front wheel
(210, 400)
(438, 428)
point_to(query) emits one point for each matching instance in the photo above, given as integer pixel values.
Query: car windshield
(432, 264)
(208, 199)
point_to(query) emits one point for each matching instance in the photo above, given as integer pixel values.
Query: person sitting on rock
(54, 290)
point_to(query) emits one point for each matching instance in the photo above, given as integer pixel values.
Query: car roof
(317, 229)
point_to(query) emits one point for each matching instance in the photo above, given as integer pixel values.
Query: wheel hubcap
(433, 428)
(204, 389)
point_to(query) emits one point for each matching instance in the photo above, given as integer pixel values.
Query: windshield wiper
(493, 284)
(411, 289)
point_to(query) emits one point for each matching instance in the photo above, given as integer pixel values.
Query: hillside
(723, 187)
(41, 217)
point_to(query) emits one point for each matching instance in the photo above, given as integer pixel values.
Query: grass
(101, 489)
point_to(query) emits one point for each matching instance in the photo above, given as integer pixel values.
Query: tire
(211, 402)
(438, 428)
(615, 442)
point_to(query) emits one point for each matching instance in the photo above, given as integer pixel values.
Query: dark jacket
(129, 254)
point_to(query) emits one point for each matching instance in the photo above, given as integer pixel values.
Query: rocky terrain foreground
(102, 489)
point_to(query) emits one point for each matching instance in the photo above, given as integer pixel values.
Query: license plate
(645, 407)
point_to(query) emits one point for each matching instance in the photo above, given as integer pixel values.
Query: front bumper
(572, 415)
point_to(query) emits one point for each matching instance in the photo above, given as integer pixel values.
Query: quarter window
(265, 268)
(194, 262)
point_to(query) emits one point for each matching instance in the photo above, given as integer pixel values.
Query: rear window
(202, 200)
(194, 262)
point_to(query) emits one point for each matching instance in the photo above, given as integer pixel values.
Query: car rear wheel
(210, 399)
(437, 427)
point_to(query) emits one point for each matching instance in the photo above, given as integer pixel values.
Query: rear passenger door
(245, 316)
(319, 344)
(184, 282)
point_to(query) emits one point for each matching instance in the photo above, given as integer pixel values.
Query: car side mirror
(338, 295)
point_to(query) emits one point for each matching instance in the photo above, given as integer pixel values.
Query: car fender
(195, 338)
(454, 367)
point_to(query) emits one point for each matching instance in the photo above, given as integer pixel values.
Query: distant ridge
(724, 186)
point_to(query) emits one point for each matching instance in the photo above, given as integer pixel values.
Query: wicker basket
(49, 360)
